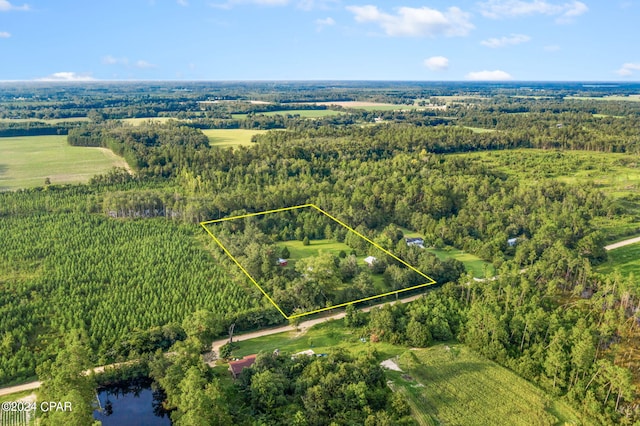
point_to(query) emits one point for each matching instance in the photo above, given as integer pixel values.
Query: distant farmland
(225, 138)
(26, 161)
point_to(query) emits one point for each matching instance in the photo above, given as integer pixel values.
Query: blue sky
(320, 39)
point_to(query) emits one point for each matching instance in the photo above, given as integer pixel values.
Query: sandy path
(622, 243)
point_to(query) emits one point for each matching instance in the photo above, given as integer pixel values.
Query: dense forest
(123, 260)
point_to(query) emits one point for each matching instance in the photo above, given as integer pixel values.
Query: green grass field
(26, 161)
(478, 267)
(300, 251)
(625, 259)
(225, 138)
(456, 387)
(479, 129)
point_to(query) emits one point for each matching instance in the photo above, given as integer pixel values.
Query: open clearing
(625, 259)
(472, 263)
(225, 138)
(449, 384)
(26, 161)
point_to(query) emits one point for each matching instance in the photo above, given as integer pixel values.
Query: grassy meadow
(472, 263)
(26, 161)
(449, 384)
(625, 260)
(225, 138)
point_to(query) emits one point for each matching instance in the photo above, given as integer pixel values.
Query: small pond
(133, 404)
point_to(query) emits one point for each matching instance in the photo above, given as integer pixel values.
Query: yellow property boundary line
(203, 224)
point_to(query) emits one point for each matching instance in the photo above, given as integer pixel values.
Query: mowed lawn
(25, 162)
(625, 259)
(472, 263)
(300, 251)
(450, 385)
(225, 138)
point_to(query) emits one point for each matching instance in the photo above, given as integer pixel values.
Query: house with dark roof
(236, 367)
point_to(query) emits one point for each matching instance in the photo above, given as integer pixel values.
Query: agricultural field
(625, 260)
(630, 98)
(449, 384)
(226, 138)
(26, 162)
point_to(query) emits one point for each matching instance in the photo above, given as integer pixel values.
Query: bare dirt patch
(390, 364)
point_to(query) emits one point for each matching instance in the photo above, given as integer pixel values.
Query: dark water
(131, 406)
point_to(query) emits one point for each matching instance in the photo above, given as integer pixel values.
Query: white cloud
(144, 64)
(496, 9)
(183, 2)
(512, 40)
(416, 22)
(66, 76)
(628, 69)
(4, 34)
(111, 60)
(326, 22)
(6, 6)
(437, 63)
(497, 75)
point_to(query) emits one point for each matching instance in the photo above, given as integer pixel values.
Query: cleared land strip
(216, 345)
(622, 243)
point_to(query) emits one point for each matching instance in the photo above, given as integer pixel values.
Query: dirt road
(304, 325)
(622, 243)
